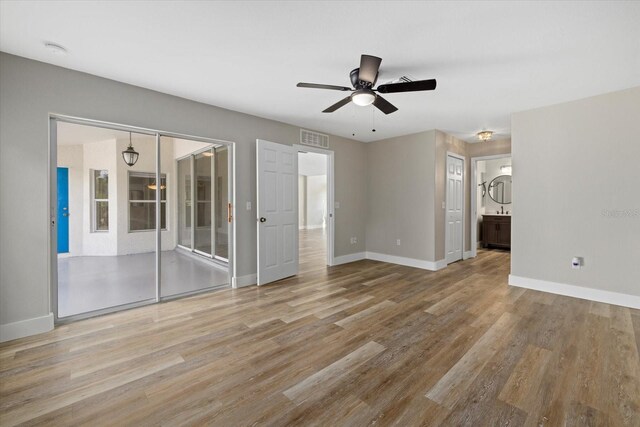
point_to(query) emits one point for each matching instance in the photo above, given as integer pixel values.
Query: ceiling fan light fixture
(485, 135)
(363, 97)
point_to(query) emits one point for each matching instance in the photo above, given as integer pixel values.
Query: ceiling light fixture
(153, 186)
(130, 156)
(485, 135)
(55, 48)
(207, 153)
(363, 97)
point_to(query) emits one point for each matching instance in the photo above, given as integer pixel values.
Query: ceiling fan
(363, 79)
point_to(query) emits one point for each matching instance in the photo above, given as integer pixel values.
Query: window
(100, 200)
(142, 201)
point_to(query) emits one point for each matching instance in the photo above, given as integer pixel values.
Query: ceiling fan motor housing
(359, 84)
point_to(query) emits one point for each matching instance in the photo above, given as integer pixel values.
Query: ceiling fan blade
(408, 86)
(320, 86)
(338, 104)
(384, 105)
(369, 66)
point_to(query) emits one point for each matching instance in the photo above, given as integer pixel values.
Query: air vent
(314, 139)
(401, 79)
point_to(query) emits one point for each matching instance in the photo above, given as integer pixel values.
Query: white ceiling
(312, 164)
(490, 58)
(73, 134)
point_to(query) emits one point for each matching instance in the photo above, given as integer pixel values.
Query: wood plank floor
(360, 344)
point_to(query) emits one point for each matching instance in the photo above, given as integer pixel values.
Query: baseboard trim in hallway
(590, 294)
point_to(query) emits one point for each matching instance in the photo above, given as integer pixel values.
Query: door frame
(53, 119)
(446, 195)
(330, 196)
(474, 198)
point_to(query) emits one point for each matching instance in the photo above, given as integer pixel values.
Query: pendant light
(130, 155)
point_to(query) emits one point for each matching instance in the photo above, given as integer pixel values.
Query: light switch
(248, 206)
(444, 206)
(337, 205)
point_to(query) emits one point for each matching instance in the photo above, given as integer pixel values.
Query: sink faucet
(502, 209)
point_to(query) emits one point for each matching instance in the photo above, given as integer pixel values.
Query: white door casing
(277, 196)
(454, 209)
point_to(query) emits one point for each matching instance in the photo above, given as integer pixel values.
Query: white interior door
(277, 186)
(454, 215)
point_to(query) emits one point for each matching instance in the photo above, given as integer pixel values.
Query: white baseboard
(345, 259)
(242, 281)
(25, 328)
(409, 262)
(314, 227)
(615, 298)
(467, 255)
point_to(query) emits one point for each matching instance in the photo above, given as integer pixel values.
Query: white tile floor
(93, 283)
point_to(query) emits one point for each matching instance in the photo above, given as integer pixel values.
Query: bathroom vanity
(496, 231)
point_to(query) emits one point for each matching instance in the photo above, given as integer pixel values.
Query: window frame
(94, 202)
(163, 176)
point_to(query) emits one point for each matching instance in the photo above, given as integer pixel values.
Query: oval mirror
(500, 189)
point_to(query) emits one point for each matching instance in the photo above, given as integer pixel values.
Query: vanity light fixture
(130, 156)
(485, 135)
(505, 169)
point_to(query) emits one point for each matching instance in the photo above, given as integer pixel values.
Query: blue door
(63, 210)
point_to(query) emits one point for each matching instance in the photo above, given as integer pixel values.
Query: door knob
(263, 219)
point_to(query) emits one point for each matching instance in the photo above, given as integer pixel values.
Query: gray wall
(30, 90)
(577, 192)
(401, 196)
(407, 189)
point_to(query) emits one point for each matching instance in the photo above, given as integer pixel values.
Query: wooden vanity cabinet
(496, 231)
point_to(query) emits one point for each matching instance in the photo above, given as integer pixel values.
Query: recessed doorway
(315, 208)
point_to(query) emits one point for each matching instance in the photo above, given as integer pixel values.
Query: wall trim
(345, 259)
(467, 255)
(242, 281)
(25, 328)
(598, 295)
(409, 262)
(311, 227)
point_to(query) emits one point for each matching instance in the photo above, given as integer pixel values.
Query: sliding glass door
(185, 202)
(204, 200)
(137, 216)
(222, 206)
(203, 194)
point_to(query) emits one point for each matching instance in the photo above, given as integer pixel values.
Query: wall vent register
(314, 139)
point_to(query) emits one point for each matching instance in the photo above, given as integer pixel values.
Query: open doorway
(491, 199)
(315, 213)
(123, 225)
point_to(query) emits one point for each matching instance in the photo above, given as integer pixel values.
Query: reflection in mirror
(500, 189)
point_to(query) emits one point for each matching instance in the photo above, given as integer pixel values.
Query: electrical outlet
(354, 240)
(577, 263)
(397, 242)
(248, 206)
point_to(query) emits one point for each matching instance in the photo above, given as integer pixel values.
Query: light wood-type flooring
(366, 343)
